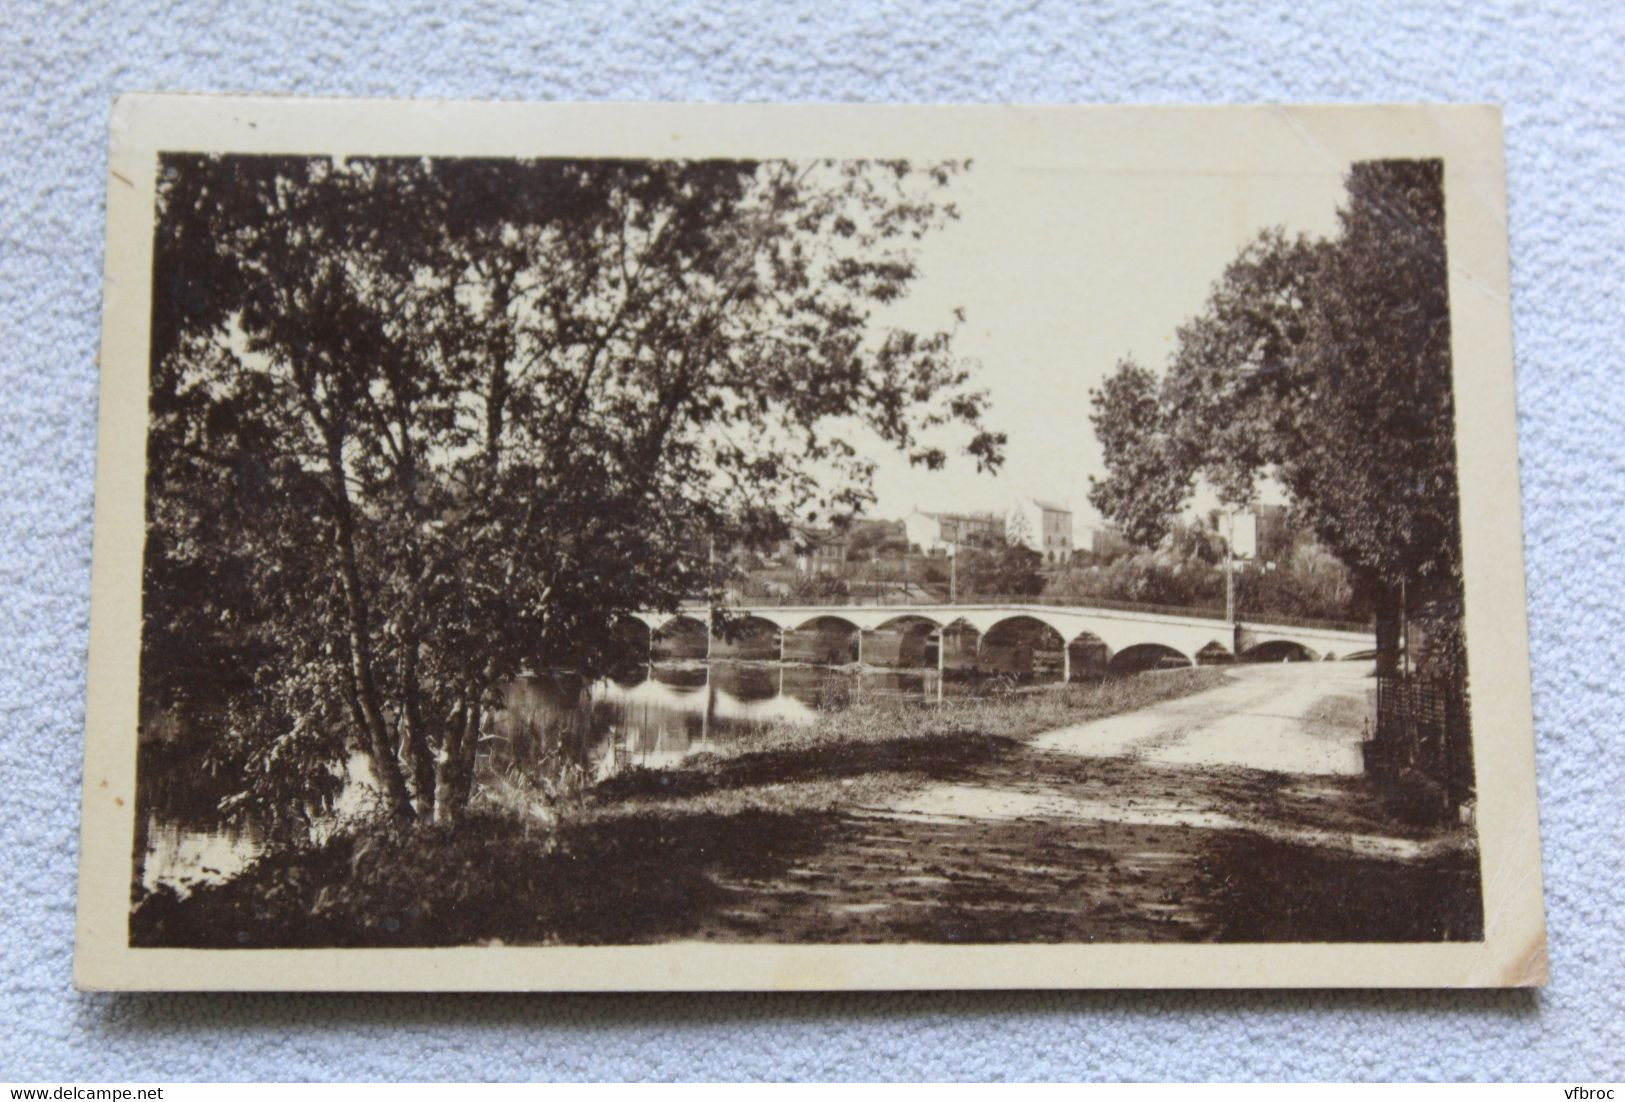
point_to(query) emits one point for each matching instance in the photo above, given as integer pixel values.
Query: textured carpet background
(1556, 69)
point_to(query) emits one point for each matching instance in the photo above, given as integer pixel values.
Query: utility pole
(1226, 533)
(953, 572)
(710, 613)
(1229, 584)
(711, 569)
(1229, 538)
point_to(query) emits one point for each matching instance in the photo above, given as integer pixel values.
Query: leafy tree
(1146, 486)
(420, 425)
(1201, 539)
(1310, 582)
(871, 538)
(1325, 365)
(1008, 569)
(819, 587)
(1159, 577)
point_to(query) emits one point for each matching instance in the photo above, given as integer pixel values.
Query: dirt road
(1238, 813)
(1289, 718)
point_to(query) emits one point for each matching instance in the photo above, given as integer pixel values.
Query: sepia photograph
(739, 531)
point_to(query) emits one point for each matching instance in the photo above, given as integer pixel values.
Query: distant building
(1264, 534)
(1042, 526)
(935, 533)
(819, 550)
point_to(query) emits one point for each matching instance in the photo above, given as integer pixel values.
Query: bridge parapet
(891, 600)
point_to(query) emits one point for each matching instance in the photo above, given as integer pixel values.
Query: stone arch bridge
(1111, 638)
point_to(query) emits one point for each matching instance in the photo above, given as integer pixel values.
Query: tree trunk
(1388, 610)
(415, 746)
(474, 727)
(364, 697)
(453, 770)
(419, 760)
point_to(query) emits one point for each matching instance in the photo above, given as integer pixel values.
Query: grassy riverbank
(646, 854)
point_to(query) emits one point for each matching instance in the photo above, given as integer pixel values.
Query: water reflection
(184, 855)
(662, 714)
(183, 841)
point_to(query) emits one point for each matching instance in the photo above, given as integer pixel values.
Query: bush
(1311, 583)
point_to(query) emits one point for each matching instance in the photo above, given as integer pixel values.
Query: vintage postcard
(563, 547)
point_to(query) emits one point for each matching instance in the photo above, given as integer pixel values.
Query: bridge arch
(1012, 621)
(681, 636)
(676, 620)
(1278, 650)
(909, 640)
(728, 617)
(748, 636)
(910, 621)
(1025, 644)
(828, 618)
(1147, 656)
(633, 634)
(826, 639)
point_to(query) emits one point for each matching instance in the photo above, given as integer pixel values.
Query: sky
(1061, 273)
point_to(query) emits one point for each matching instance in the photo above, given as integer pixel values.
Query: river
(653, 718)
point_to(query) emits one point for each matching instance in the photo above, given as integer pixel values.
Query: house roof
(977, 518)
